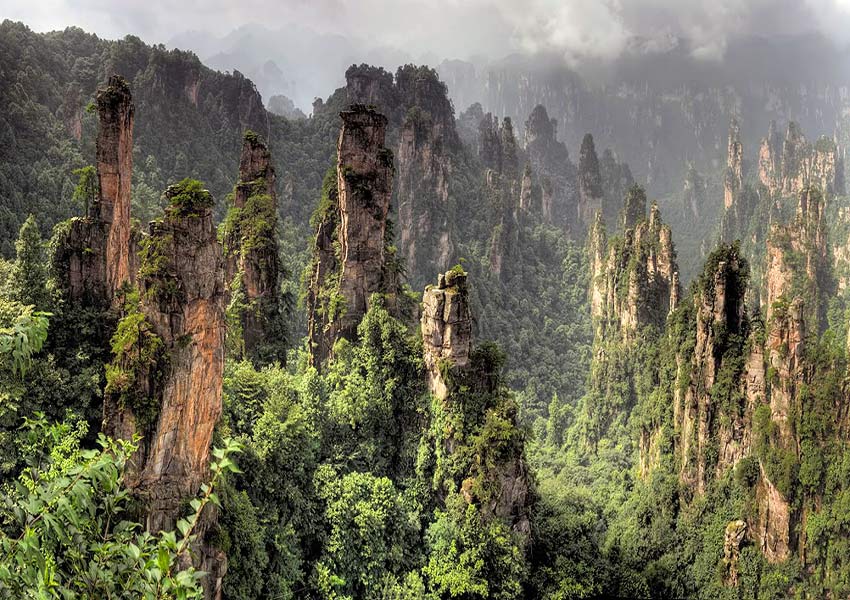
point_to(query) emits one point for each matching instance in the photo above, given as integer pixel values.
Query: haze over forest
(424, 300)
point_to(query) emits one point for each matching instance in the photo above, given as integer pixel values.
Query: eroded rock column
(252, 261)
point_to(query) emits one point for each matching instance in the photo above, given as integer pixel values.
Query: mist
(301, 48)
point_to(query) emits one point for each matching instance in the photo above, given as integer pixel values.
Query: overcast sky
(576, 29)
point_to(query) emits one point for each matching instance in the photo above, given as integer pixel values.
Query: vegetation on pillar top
(116, 91)
(188, 198)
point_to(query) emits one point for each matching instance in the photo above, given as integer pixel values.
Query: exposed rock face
(804, 164)
(795, 153)
(770, 160)
(252, 264)
(364, 180)
(446, 328)
(181, 283)
(804, 239)
(694, 197)
(702, 413)
(550, 160)
(629, 294)
(616, 181)
(506, 194)
(589, 183)
(115, 172)
(794, 278)
(369, 85)
(497, 146)
(733, 539)
(734, 178)
(358, 224)
(500, 485)
(525, 192)
(95, 256)
(424, 175)
(421, 128)
(504, 243)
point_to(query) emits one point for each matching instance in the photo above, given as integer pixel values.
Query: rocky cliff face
(115, 172)
(713, 431)
(796, 263)
(616, 181)
(95, 256)
(165, 382)
(637, 283)
(733, 179)
(796, 276)
(589, 184)
(804, 164)
(497, 147)
(421, 129)
(749, 382)
(446, 329)
(770, 160)
(550, 162)
(343, 280)
(466, 387)
(252, 264)
(424, 177)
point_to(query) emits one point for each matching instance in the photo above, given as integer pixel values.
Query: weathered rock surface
(637, 283)
(704, 413)
(550, 162)
(733, 538)
(500, 484)
(181, 283)
(770, 160)
(424, 176)
(589, 184)
(364, 178)
(733, 179)
(95, 255)
(616, 181)
(250, 240)
(421, 130)
(446, 328)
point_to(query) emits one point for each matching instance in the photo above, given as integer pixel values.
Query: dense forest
(396, 351)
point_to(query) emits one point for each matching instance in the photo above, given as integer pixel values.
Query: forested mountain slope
(322, 311)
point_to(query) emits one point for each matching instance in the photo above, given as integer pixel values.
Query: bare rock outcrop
(165, 382)
(616, 181)
(733, 179)
(637, 283)
(350, 257)
(498, 479)
(707, 411)
(734, 537)
(94, 255)
(550, 162)
(422, 133)
(796, 277)
(770, 160)
(446, 328)
(424, 177)
(589, 183)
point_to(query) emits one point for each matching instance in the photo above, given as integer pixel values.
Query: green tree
(372, 533)
(87, 189)
(66, 533)
(29, 275)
